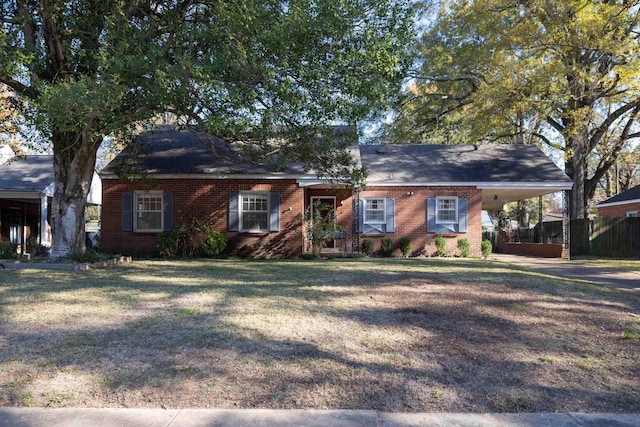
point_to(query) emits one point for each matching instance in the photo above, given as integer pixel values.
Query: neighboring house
(420, 191)
(26, 189)
(625, 204)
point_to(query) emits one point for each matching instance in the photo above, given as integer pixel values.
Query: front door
(327, 206)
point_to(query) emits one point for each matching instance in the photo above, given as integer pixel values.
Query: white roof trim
(309, 180)
(481, 185)
(218, 176)
(35, 195)
(624, 202)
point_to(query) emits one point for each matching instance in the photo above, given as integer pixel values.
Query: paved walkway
(68, 417)
(575, 270)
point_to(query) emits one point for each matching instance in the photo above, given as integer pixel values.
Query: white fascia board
(624, 202)
(49, 190)
(558, 186)
(35, 195)
(211, 176)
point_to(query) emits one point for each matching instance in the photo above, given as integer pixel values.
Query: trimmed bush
(486, 247)
(386, 247)
(405, 246)
(441, 245)
(366, 247)
(464, 247)
(214, 244)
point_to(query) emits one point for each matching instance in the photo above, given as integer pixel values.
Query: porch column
(566, 225)
(43, 221)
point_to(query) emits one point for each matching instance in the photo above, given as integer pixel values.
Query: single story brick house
(624, 205)
(26, 189)
(419, 191)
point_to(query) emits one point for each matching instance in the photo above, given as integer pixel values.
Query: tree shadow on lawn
(470, 354)
(233, 370)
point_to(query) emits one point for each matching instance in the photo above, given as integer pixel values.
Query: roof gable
(27, 173)
(631, 195)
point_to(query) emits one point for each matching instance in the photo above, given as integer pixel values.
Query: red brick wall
(194, 197)
(411, 217)
(619, 211)
(207, 198)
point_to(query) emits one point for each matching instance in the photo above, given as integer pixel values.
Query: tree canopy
(89, 68)
(565, 74)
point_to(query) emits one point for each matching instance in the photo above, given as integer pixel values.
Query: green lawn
(390, 334)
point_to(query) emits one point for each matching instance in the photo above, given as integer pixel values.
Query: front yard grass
(396, 335)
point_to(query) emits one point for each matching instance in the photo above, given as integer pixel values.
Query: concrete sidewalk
(72, 417)
(575, 270)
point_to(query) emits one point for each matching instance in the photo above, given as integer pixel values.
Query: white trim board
(624, 202)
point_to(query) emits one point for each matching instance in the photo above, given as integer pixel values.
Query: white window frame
(446, 221)
(136, 210)
(632, 214)
(241, 212)
(384, 210)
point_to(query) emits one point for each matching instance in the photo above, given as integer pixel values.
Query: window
(148, 211)
(632, 214)
(254, 212)
(377, 215)
(447, 212)
(374, 211)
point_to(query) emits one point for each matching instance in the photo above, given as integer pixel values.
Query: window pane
(149, 212)
(150, 220)
(255, 215)
(374, 210)
(447, 210)
(254, 220)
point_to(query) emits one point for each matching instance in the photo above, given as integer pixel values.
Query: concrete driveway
(575, 270)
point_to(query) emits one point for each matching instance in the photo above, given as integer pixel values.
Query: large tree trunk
(74, 162)
(576, 168)
(523, 213)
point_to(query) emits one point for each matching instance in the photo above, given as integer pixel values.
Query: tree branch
(21, 88)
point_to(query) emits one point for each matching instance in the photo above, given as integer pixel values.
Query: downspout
(355, 214)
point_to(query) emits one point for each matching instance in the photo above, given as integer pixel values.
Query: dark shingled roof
(459, 163)
(170, 151)
(167, 150)
(27, 173)
(625, 196)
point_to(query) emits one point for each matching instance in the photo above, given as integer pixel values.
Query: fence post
(566, 228)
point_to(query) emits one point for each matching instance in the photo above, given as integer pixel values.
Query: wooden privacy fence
(607, 237)
(611, 237)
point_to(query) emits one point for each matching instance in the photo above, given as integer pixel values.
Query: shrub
(320, 225)
(386, 247)
(405, 246)
(8, 250)
(366, 246)
(193, 238)
(168, 242)
(441, 245)
(464, 247)
(214, 244)
(486, 247)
